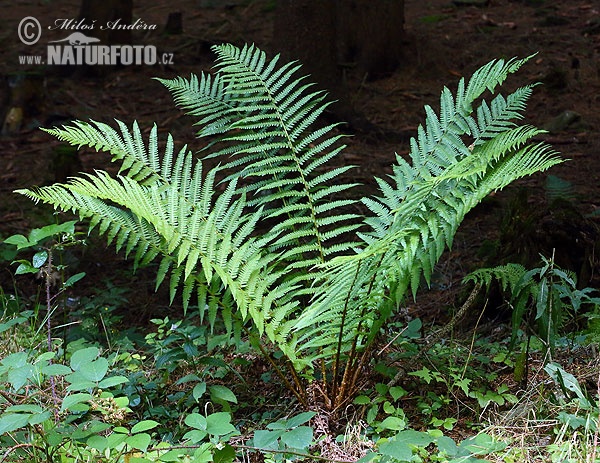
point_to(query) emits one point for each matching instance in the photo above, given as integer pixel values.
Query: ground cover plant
(268, 250)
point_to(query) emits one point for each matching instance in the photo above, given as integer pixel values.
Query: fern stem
(349, 385)
(351, 366)
(336, 364)
(48, 281)
(298, 391)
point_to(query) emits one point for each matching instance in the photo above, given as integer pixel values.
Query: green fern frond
(280, 244)
(204, 97)
(416, 218)
(509, 276)
(269, 142)
(175, 215)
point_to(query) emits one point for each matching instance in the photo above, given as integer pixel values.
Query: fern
(264, 114)
(540, 298)
(457, 160)
(166, 207)
(278, 245)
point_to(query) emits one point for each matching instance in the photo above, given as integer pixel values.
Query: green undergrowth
(183, 393)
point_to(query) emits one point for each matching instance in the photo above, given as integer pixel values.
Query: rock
(12, 121)
(563, 121)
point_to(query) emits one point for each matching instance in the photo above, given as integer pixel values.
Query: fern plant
(541, 299)
(276, 254)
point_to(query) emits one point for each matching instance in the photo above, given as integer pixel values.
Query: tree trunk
(338, 41)
(306, 30)
(370, 35)
(105, 12)
(104, 15)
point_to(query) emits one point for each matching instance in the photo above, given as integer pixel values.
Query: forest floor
(444, 42)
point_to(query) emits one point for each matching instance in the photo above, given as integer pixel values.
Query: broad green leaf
(83, 356)
(13, 421)
(115, 439)
(139, 441)
(16, 360)
(564, 379)
(38, 418)
(204, 453)
(24, 268)
(196, 420)
(187, 379)
(219, 392)
(77, 382)
(447, 445)
(74, 399)
(172, 455)
(18, 377)
(54, 438)
(199, 390)
(112, 381)
(121, 402)
(362, 400)
(277, 425)
(397, 392)
(571, 420)
(298, 438)
(224, 455)
(370, 456)
(94, 371)
(18, 240)
(398, 450)
(39, 259)
(10, 323)
(388, 408)
(392, 422)
(37, 235)
(195, 436)
(97, 442)
(482, 444)
(418, 438)
(56, 369)
(144, 426)
(219, 424)
(44, 357)
(267, 439)
(29, 408)
(424, 373)
(299, 419)
(73, 279)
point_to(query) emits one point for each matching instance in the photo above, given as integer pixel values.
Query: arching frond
(269, 141)
(417, 216)
(169, 210)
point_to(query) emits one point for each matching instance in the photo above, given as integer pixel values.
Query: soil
(443, 42)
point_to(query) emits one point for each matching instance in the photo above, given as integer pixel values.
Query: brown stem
(336, 364)
(298, 391)
(349, 385)
(341, 397)
(13, 448)
(6, 397)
